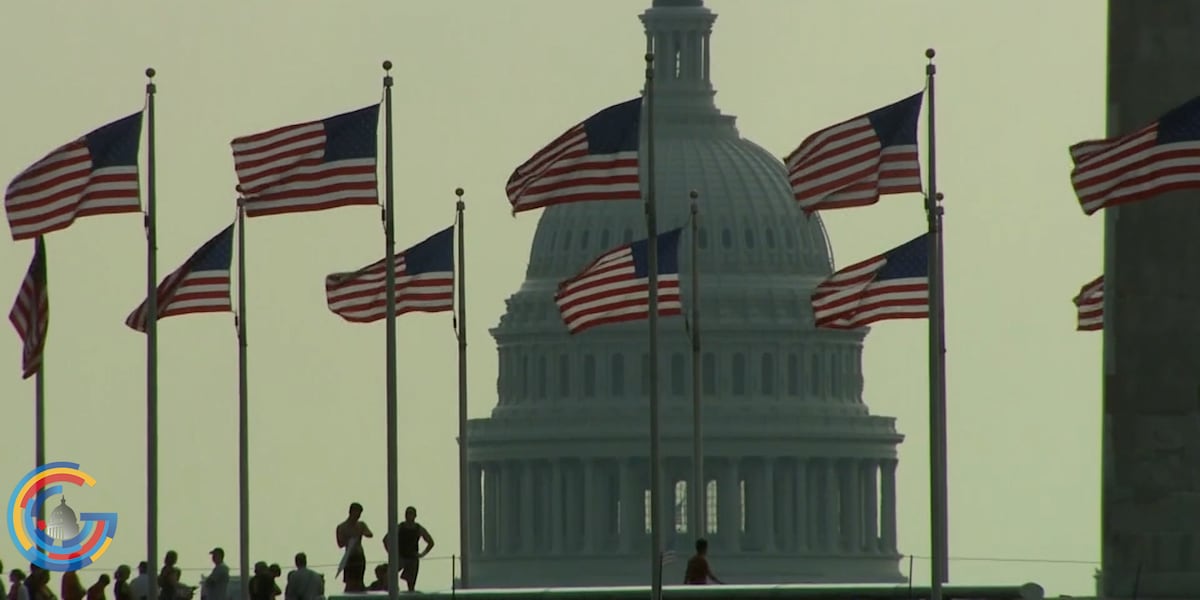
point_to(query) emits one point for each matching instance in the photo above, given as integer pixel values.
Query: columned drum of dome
(800, 477)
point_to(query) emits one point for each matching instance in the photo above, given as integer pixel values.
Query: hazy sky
(479, 86)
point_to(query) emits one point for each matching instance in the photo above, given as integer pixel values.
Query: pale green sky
(479, 86)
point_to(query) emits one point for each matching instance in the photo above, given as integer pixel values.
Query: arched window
(768, 374)
(702, 238)
(677, 374)
(749, 238)
(564, 376)
(814, 375)
(709, 373)
(541, 375)
(793, 375)
(617, 372)
(589, 375)
(769, 237)
(645, 374)
(710, 507)
(583, 240)
(567, 240)
(739, 374)
(727, 238)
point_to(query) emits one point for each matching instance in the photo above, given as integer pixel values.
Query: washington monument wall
(1151, 465)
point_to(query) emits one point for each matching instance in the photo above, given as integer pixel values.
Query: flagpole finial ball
(150, 72)
(387, 65)
(458, 192)
(649, 57)
(693, 194)
(940, 196)
(929, 53)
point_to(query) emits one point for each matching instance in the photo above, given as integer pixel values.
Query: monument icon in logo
(63, 541)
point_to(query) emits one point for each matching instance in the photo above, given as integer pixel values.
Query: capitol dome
(63, 523)
(800, 476)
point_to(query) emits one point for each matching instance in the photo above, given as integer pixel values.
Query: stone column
(526, 507)
(870, 506)
(888, 509)
(555, 530)
(831, 513)
(784, 514)
(729, 506)
(510, 504)
(766, 491)
(630, 508)
(800, 507)
(849, 479)
(590, 505)
(573, 507)
(491, 507)
(475, 509)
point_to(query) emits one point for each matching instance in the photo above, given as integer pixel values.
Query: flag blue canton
(896, 124)
(615, 129)
(116, 144)
(435, 254)
(1181, 124)
(216, 254)
(352, 135)
(908, 260)
(668, 254)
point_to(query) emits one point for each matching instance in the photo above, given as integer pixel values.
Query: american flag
(616, 286)
(424, 283)
(855, 162)
(1090, 305)
(200, 285)
(30, 314)
(594, 160)
(893, 285)
(1160, 157)
(96, 174)
(312, 166)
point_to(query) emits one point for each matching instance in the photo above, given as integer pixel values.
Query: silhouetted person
(70, 586)
(380, 583)
(408, 537)
(140, 586)
(304, 583)
(349, 536)
(17, 590)
(262, 585)
(698, 572)
(121, 589)
(276, 572)
(216, 585)
(96, 591)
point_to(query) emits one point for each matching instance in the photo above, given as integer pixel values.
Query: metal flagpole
(464, 525)
(39, 381)
(389, 234)
(151, 341)
(698, 498)
(652, 264)
(940, 571)
(243, 413)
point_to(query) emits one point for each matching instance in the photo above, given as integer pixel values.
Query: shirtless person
(698, 572)
(349, 535)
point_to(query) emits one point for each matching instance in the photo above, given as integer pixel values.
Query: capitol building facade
(801, 478)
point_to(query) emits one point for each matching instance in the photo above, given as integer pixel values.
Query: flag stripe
(30, 314)
(424, 283)
(849, 164)
(594, 160)
(318, 165)
(893, 285)
(1089, 305)
(96, 174)
(615, 287)
(1157, 158)
(201, 285)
